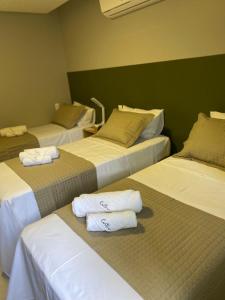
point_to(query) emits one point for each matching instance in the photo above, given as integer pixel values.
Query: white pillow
(155, 127)
(217, 115)
(88, 118)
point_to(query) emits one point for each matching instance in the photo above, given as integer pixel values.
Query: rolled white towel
(49, 151)
(107, 202)
(111, 221)
(13, 131)
(20, 129)
(10, 133)
(33, 160)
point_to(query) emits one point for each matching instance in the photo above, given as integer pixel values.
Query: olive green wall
(182, 87)
(33, 69)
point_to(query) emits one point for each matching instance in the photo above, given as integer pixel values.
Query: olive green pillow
(124, 128)
(68, 115)
(206, 141)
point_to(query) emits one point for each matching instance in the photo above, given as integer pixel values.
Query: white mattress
(62, 266)
(52, 134)
(113, 162)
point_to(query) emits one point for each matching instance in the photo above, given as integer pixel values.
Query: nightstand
(90, 131)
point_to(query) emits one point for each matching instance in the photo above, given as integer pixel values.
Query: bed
(176, 252)
(27, 194)
(45, 135)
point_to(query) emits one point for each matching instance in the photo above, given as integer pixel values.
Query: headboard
(182, 87)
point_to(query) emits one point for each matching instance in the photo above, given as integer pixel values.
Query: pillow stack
(109, 211)
(153, 128)
(124, 128)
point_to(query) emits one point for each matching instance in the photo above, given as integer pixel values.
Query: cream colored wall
(32, 68)
(171, 29)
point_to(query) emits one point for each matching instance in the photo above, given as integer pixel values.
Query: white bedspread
(52, 134)
(62, 266)
(112, 162)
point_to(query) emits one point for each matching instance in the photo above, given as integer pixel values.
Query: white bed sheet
(52, 134)
(181, 179)
(112, 162)
(53, 254)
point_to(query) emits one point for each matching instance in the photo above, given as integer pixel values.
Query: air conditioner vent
(115, 8)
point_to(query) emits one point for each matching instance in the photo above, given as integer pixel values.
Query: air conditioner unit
(116, 8)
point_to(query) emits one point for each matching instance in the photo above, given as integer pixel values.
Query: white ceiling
(30, 6)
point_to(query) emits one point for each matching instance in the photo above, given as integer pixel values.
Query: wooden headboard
(181, 87)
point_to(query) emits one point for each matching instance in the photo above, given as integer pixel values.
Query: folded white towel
(32, 160)
(107, 202)
(49, 151)
(13, 131)
(111, 221)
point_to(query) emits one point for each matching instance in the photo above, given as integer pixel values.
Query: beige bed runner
(10, 147)
(177, 252)
(56, 184)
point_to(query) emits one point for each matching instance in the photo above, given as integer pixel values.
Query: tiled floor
(3, 286)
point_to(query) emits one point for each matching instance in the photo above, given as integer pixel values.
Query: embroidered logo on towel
(106, 225)
(104, 205)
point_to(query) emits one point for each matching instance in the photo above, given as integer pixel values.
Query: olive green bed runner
(56, 184)
(176, 252)
(10, 147)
